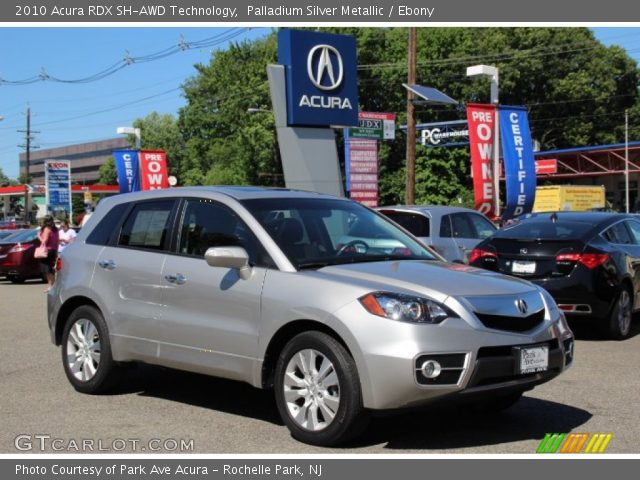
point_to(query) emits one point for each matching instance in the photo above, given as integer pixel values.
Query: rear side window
(462, 226)
(634, 227)
(147, 226)
(546, 230)
(102, 232)
(445, 226)
(415, 223)
(618, 233)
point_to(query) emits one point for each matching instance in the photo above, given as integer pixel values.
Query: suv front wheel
(317, 390)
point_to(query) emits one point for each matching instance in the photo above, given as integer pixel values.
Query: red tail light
(19, 248)
(478, 253)
(58, 264)
(589, 260)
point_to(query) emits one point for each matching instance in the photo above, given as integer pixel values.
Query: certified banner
(128, 170)
(153, 170)
(519, 164)
(57, 175)
(481, 119)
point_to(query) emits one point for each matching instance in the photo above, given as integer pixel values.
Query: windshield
(314, 233)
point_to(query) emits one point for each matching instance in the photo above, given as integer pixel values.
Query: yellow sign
(575, 198)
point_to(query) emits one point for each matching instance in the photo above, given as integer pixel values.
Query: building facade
(86, 160)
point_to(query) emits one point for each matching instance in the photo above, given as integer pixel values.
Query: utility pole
(411, 121)
(27, 146)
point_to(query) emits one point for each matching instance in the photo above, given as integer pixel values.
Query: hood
(436, 279)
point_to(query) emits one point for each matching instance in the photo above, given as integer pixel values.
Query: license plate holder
(520, 266)
(532, 359)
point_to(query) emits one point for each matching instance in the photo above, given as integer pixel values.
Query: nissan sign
(321, 76)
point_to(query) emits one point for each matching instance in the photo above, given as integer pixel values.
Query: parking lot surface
(599, 394)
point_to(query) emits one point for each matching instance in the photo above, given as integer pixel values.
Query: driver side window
(207, 224)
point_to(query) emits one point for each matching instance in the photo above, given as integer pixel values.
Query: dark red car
(16, 256)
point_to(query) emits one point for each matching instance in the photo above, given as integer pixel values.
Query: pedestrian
(48, 236)
(66, 235)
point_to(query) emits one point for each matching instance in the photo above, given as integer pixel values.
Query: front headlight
(405, 308)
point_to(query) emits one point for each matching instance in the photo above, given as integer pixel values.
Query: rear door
(631, 246)
(128, 276)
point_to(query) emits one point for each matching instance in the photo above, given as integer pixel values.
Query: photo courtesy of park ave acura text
(317, 239)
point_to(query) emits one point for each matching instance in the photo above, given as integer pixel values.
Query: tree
(6, 181)
(575, 88)
(107, 174)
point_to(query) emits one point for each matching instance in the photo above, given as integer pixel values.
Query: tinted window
(445, 226)
(483, 227)
(462, 226)
(207, 224)
(546, 230)
(634, 227)
(415, 223)
(618, 233)
(147, 225)
(102, 232)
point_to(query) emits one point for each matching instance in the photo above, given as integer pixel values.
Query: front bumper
(475, 360)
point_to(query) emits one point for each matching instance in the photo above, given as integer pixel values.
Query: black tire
(498, 403)
(350, 418)
(619, 322)
(107, 372)
(16, 279)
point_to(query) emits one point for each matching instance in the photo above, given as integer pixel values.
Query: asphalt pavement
(176, 412)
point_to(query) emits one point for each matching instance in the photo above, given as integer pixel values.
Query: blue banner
(128, 168)
(519, 164)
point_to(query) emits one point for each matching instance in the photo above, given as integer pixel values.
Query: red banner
(153, 170)
(482, 121)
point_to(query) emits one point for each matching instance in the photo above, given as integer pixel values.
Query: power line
(183, 45)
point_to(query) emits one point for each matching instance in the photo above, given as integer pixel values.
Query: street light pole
(626, 158)
(492, 73)
(131, 131)
(410, 192)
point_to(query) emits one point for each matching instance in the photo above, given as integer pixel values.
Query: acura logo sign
(522, 306)
(320, 67)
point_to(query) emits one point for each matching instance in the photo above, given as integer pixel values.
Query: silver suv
(281, 289)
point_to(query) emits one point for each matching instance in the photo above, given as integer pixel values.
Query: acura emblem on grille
(522, 306)
(524, 251)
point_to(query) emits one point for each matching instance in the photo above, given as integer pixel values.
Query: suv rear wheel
(86, 352)
(317, 390)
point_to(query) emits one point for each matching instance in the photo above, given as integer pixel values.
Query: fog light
(431, 369)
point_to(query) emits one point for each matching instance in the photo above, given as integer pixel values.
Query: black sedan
(589, 262)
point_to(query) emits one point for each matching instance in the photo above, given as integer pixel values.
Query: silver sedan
(286, 290)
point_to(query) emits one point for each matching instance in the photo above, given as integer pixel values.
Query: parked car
(13, 225)
(257, 285)
(16, 256)
(588, 261)
(452, 231)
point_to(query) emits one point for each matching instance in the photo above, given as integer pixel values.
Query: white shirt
(65, 238)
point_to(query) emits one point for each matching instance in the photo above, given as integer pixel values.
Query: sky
(69, 113)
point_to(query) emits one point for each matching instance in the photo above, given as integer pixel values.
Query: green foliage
(107, 173)
(6, 181)
(576, 90)
(161, 132)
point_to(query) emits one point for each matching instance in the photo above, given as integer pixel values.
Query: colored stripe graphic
(574, 442)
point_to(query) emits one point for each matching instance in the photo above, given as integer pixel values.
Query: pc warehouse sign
(321, 78)
(58, 185)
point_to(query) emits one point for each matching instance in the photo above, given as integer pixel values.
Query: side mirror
(229, 257)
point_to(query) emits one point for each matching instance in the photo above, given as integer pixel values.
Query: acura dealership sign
(321, 76)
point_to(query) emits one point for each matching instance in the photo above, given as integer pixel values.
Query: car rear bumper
(580, 297)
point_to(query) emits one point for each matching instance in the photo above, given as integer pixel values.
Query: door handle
(107, 264)
(177, 278)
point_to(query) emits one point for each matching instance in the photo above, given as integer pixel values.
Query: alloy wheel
(311, 390)
(624, 312)
(83, 350)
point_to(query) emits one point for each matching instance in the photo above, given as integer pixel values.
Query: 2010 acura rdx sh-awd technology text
(325, 301)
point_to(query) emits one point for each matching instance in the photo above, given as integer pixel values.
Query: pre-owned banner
(128, 170)
(153, 170)
(519, 164)
(482, 120)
